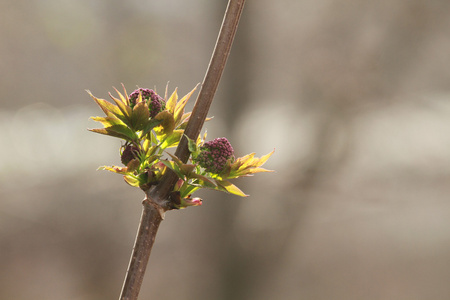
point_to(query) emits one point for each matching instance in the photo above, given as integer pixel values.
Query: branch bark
(156, 202)
(207, 91)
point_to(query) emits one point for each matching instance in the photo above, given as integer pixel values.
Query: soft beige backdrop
(354, 95)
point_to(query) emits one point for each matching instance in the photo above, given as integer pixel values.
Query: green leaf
(119, 131)
(174, 167)
(230, 188)
(114, 169)
(125, 99)
(108, 121)
(204, 181)
(140, 116)
(122, 104)
(172, 101)
(247, 165)
(192, 146)
(179, 108)
(167, 123)
(150, 124)
(109, 109)
(172, 140)
(132, 180)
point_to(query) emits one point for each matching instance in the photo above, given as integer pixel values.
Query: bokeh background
(353, 95)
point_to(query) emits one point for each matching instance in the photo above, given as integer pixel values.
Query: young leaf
(167, 123)
(140, 116)
(179, 108)
(119, 131)
(114, 169)
(172, 140)
(172, 101)
(132, 180)
(230, 188)
(108, 121)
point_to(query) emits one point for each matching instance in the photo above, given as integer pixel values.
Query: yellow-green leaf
(167, 123)
(172, 101)
(108, 121)
(179, 108)
(125, 109)
(120, 131)
(230, 188)
(114, 169)
(140, 116)
(172, 140)
(132, 180)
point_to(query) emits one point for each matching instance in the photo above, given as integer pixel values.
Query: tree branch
(207, 91)
(157, 201)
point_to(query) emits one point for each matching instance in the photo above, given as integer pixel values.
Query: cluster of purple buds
(155, 103)
(215, 154)
(129, 153)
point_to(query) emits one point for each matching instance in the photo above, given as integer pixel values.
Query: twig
(157, 201)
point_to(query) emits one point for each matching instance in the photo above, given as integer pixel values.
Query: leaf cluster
(147, 138)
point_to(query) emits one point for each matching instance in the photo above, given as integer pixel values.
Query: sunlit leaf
(187, 169)
(246, 165)
(114, 169)
(179, 108)
(174, 167)
(120, 131)
(125, 109)
(132, 180)
(133, 165)
(172, 140)
(172, 101)
(167, 123)
(230, 188)
(204, 181)
(140, 116)
(149, 125)
(123, 99)
(192, 146)
(108, 121)
(175, 159)
(109, 109)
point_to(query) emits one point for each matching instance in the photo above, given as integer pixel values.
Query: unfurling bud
(129, 153)
(215, 154)
(155, 103)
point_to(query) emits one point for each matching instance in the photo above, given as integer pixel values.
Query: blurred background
(353, 95)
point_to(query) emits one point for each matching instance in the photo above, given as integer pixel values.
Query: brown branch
(148, 227)
(157, 201)
(207, 91)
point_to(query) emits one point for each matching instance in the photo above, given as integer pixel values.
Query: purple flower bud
(155, 103)
(215, 154)
(129, 153)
